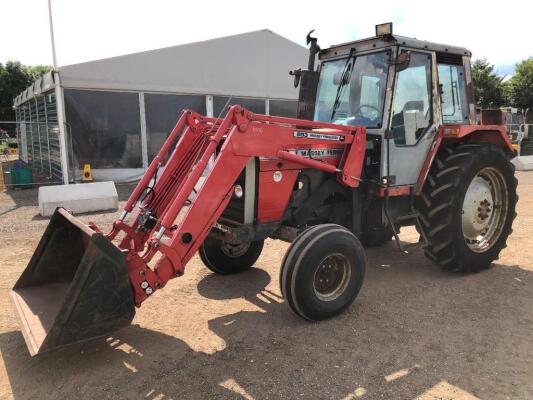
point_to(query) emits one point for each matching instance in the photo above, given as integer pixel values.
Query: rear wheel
(468, 206)
(322, 271)
(225, 258)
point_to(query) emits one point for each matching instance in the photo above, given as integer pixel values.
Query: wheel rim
(332, 277)
(484, 210)
(235, 250)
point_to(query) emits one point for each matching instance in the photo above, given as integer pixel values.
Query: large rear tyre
(468, 206)
(322, 271)
(225, 259)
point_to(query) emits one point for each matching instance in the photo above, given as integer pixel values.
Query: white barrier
(523, 163)
(78, 198)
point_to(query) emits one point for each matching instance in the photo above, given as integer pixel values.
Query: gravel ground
(413, 332)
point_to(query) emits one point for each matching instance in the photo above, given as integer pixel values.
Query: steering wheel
(358, 110)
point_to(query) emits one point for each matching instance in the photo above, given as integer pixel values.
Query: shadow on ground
(414, 330)
(20, 198)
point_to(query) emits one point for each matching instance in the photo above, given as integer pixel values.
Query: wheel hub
(332, 277)
(235, 250)
(477, 207)
(483, 212)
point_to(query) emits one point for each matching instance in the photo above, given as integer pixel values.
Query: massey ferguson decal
(319, 136)
(317, 153)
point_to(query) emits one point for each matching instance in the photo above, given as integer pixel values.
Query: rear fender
(495, 134)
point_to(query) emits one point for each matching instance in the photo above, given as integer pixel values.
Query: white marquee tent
(115, 113)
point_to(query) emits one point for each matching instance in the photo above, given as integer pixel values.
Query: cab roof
(384, 41)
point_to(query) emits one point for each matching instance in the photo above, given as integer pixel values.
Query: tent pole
(52, 34)
(60, 106)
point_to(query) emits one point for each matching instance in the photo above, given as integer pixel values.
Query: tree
(14, 78)
(521, 85)
(489, 89)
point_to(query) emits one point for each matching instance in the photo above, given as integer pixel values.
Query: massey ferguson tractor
(386, 137)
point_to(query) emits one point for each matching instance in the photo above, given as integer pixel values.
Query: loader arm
(171, 226)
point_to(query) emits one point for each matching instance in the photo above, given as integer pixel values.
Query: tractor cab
(401, 89)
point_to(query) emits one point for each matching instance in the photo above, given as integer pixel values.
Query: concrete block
(523, 163)
(78, 198)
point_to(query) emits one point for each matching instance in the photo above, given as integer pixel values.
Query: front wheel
(467, 206)
(226, 258)
(322, 271)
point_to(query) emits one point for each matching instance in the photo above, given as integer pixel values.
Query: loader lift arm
(164, 225)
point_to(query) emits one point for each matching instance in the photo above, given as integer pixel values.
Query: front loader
(385, 137)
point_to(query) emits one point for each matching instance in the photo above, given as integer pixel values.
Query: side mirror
(403, 60)
(297, 73)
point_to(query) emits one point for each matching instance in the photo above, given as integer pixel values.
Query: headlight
(238, 191)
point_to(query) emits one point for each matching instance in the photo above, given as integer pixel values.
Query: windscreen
(351, 91)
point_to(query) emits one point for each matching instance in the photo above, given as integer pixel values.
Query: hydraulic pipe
(177, 203)
(155, 163)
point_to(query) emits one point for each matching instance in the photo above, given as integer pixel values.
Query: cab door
(413, 119)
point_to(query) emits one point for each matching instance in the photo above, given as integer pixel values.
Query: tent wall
(105, 127)
(161, 113)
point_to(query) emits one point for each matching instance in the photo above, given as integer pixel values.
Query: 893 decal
(319, 136)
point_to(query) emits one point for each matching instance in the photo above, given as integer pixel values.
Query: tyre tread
(437, 205)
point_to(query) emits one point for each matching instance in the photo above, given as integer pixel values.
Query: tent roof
(253, 64)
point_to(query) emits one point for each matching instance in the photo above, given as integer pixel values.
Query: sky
(87, 30)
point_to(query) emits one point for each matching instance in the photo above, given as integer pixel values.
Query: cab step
(413, 215)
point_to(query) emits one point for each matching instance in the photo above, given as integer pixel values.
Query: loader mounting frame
(171, 225)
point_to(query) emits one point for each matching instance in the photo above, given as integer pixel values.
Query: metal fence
(36, 144)
(37, 131)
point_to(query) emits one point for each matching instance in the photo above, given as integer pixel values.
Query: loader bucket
(75, 287)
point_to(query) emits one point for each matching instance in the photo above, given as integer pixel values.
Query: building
(118, 111)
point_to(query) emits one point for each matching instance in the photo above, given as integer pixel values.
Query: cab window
(453, 93)
(411, 108)
(351, 91)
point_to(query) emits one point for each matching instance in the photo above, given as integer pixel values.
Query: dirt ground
(413, 332)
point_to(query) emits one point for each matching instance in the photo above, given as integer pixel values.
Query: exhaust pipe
(75, 287)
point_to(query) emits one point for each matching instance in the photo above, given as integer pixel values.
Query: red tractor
(386, 137)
